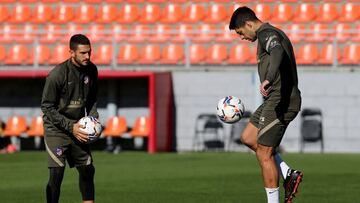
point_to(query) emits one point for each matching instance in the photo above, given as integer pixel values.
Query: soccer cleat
(291, 184)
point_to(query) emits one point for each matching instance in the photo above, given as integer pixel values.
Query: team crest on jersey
(86, 79)
(58, 151)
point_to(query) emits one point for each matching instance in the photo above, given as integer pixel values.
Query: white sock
(282, 166)
(272, 195)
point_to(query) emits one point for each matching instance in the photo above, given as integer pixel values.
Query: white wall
(336, 92)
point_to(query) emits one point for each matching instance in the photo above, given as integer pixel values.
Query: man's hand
(265, 88)
(82, 137)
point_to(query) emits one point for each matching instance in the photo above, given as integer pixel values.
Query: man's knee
(264, 153)
(86, 172)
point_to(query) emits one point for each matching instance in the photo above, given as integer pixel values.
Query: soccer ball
(230, 109)
(92, 127)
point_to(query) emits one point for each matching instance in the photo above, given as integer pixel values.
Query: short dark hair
(240, 16)
(77, 39)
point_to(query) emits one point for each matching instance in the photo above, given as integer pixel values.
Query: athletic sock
(282, 166)
(272, 195)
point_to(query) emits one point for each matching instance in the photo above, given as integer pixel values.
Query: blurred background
(163, 66)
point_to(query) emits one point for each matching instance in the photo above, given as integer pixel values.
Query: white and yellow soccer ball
(230, 109)
(92, 127)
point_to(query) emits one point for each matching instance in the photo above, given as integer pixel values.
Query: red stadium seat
(4, 13)
(103, 55)
(239, 54)
(226, 35)
(50, 1)
(194, 13)
(216, 13)
(71, 29)
(308, 54)
(18, 54)
(7, 33)
(15, 126)
(135, 1)
(318, 33)
(59, 54)
(93, 1)
(118, 33)
(41, 14)
(342, 32)
(63, 14)
(216, 54)
(128, 54)
(27, 33)
(36, 127)
(115, 127)
(327, 13)
(206, 33)
(156, 1)
(43, 55)
(262, 11)
(72, 1)
(141, 127)
(150, 54)
(96, 33)
(197, 53)
(85, 13)
(182, 32)
(51, 33)
(171, 13)
(350, 12)
(2, 54)
(351, 54)
(114, 1)
(179, 1)
(140, 33)
(162, 33)
(356, 36)
(282, 13)
(296, 32)
(172, 54)
(327, 54)
(20, 14)
(128, 13)
(106, 14)
(150, 13)
(304, 13)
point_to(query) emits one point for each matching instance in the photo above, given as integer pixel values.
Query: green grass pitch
(189, 177)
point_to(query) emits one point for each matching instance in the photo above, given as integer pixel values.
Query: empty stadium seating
(132, 23)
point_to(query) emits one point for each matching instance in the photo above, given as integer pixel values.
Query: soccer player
(69, 93)
(282, 100)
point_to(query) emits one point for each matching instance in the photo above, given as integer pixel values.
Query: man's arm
(91, 107)
(49, 104)
(271, 42)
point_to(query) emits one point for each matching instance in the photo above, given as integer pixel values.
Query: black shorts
(61, 148)
(271, 124)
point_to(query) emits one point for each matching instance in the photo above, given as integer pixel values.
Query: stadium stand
(157, 22)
